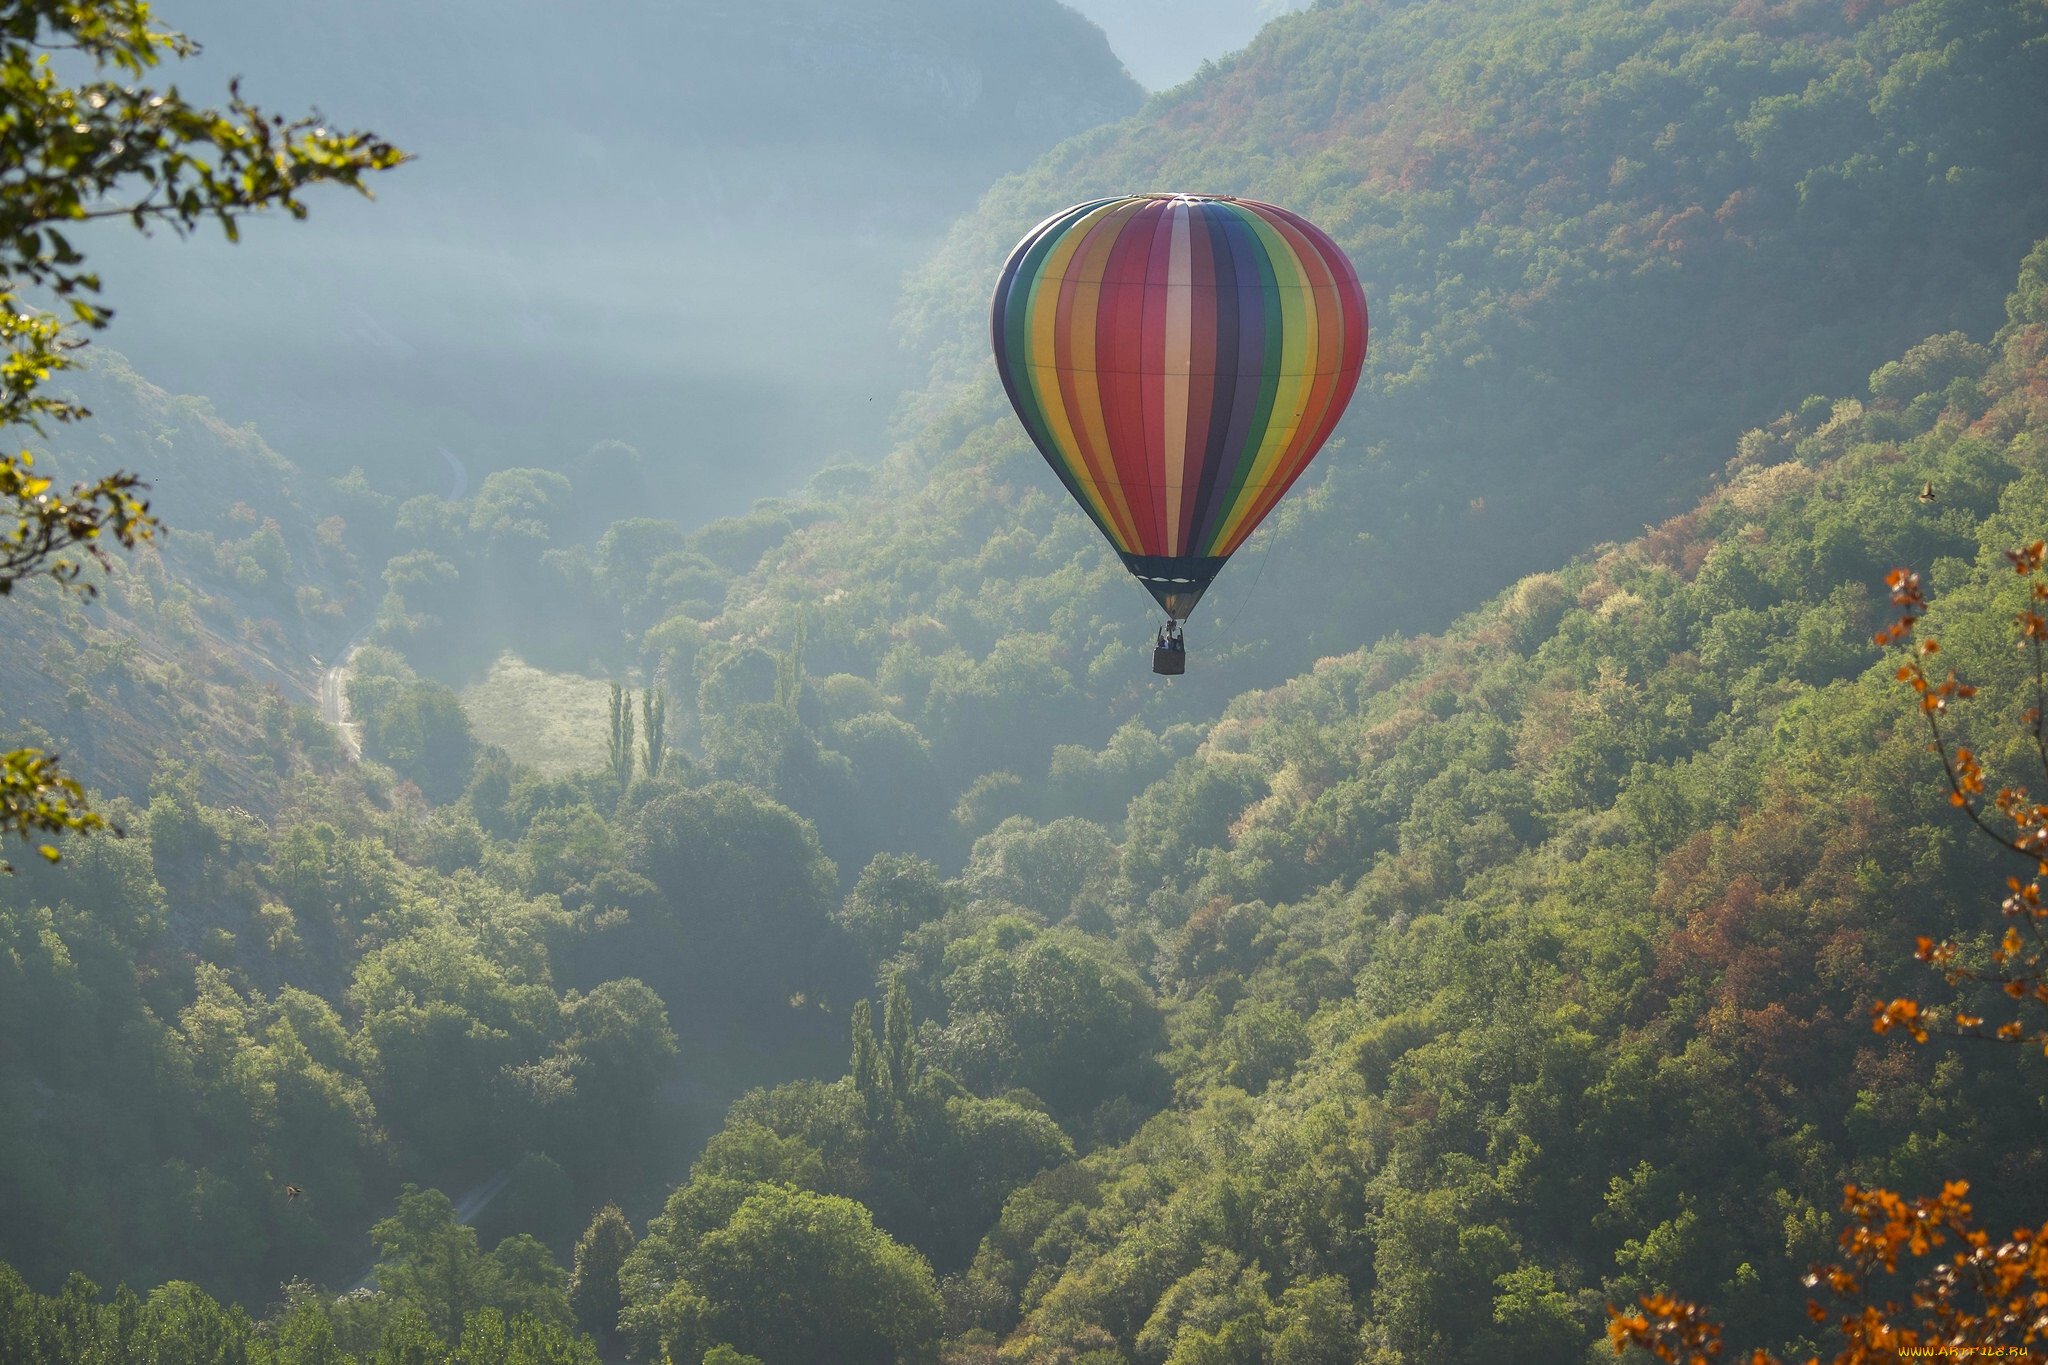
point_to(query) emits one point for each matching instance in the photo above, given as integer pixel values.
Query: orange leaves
(1932, 953)
(1911, 601)
(2019, 962)
(1906, 592)
(1970, 1293)
(1975, 1295)
(1907, 596)
(1672, 1330)
(1985, 1296)
(1968, 777)
(1886, 1222)
(1934, 698)
(1900, 1013)
(2017, 806)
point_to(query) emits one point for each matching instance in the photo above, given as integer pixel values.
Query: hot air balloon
(1178, 359)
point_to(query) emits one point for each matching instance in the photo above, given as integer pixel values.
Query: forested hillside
(1492, 976)
(918, 979)
(208, 642)
(1454, 989)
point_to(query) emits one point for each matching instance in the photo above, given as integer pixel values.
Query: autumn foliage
(1918, 1277)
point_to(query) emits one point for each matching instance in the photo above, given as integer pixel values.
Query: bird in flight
(1927, 492)
(291, 1192)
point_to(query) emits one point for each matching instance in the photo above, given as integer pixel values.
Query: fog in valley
(681, 226)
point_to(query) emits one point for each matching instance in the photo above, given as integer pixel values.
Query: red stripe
(1152, 387)
(1351, 303)
(1201, 368)
(1119, 331)
(1083, 394)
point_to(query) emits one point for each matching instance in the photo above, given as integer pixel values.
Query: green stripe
(1262, 414)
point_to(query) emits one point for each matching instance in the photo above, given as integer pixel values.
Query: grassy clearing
(558, 722)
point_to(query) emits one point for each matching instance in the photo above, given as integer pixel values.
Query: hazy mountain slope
(680, 225)
(1515, 971)
(197, 645)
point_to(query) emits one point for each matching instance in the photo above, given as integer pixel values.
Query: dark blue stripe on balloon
(1244, 370)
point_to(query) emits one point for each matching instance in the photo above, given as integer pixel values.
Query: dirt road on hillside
(334, 682)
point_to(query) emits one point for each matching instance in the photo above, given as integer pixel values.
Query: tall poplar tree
(654, 718)
(594, 1285)
(622, 736)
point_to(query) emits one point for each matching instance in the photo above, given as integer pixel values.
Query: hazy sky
(1162, 42)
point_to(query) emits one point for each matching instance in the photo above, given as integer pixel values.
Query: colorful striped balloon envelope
(1178, 359)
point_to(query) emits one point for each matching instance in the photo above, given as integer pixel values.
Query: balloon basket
(1171, 662)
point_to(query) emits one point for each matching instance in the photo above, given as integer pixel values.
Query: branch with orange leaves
(2018, 966)
(1973, 1297)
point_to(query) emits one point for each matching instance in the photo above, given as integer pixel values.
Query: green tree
(621, 749)
(594, 1283)
(808, 1279)
(745, 883)
(1313, 1325)
(1262, 1040)
(870, 1074)
(899, 1041)
(180, 1324)
(491, 1338)
(1055, 869)
(896, 893)
(522, 1280)
(1051, 1011)
(726, 1355)
(654, 718)
(104, 148)
(424, 734)
(618, 1048)
(790, 678)
(304, 1334)
(410, 1339)
(430, 1264)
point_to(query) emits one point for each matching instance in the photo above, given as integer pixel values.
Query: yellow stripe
(1043, 317)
